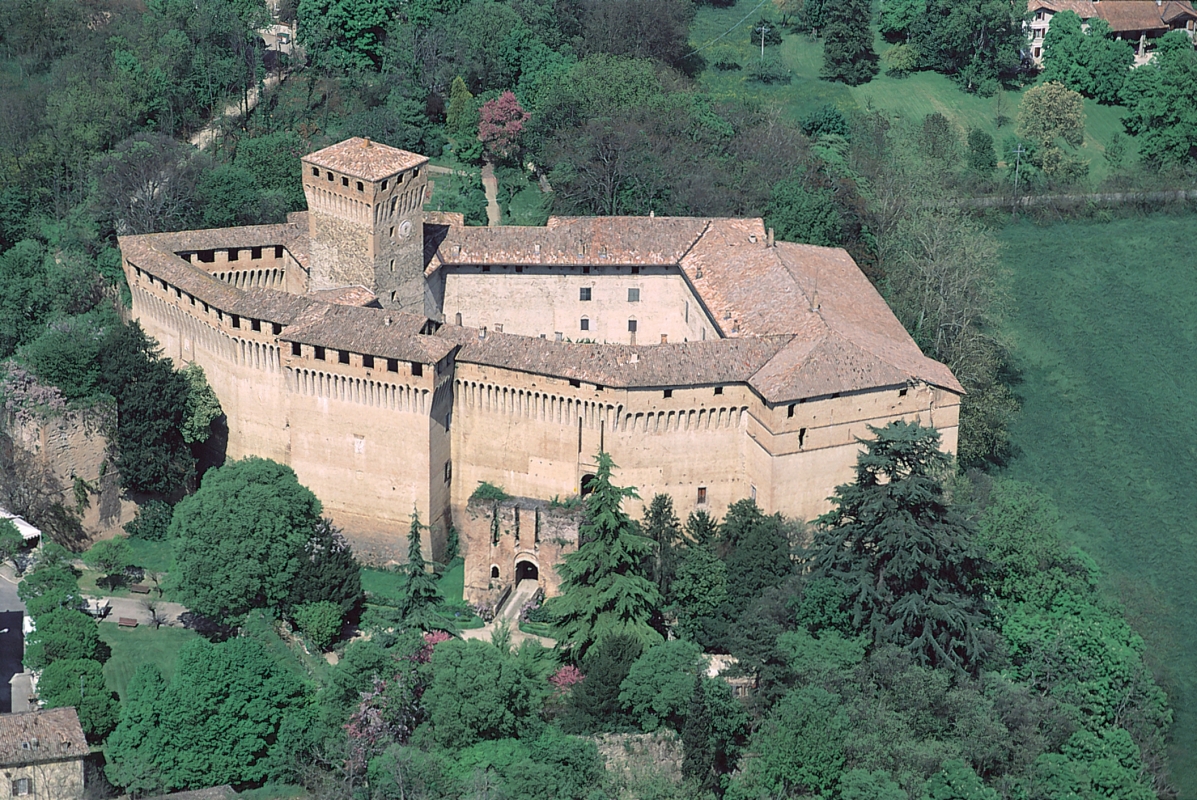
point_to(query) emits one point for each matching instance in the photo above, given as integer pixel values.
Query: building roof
(348, 296)
(35, 737)
(1123, 15)
(363, 158)
(1085, 9)
(371, 331)
(27, 531)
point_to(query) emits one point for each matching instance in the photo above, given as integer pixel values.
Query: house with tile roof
(396, 358)
(1136, 21)
(41, 754)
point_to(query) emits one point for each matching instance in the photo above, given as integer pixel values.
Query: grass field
(132, 647)
(911, 98)
(1105, 333)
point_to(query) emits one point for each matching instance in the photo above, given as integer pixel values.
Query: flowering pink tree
(565, 679)
(502, 123)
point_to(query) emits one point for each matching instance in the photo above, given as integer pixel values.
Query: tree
(1162, 99)
(241, 538)
(899, 16)
(594, 704)
(758, 552)
(826, 120)
(1051, 113)
(977, 42)
(697, 758)
(320, 622)
(152, 523)
(328, 571)
(656, 29)
(459, 104)
(11, 541)
(1064, 51)
(659, 684)
(663, 527)
(908, 559)
(699, 588)
(982, 160)
(800, 746)
(799, 213)
(1109, 60)
(848, 54)
(63, 634)
(957, 781)
(502, 123)
(147, 182)
(420, 599)
(344, 34)
(79, 684)
(48, 588)
(477, 693)
(110, 556)
(602, 590)
(216, 721)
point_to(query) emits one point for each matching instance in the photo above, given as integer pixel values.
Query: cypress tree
(459, 103)
(697, 756)
(603, 590)
(908, 561)
(420, 597)
(848, 54)
(663, 527)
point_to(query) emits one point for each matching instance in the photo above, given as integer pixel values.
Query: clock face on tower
(404, 229)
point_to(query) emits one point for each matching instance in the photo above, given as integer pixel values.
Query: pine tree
(697, 757)
(603, 590)
(420, 597)
(848, 54)
(663, 527)
(909, 561)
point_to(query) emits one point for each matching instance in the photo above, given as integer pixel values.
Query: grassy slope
(1106, 335)
(911, 98)
(132, 647)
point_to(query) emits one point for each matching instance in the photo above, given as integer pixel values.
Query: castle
(396, 359)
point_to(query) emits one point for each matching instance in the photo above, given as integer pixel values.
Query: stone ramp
(511, 609)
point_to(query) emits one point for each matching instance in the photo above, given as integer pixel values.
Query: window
(392, 365)
(457, 318)
(801, 437)
(635, 270)
(255, 253)
(633, 295)
(275, 328)
(417, 369)
(902, 392)
(342, 356)
(392, 265)
(702, 495)
(236, 321)
(584, 324)
(718, 390)
(584, 293)
(278, 251)
(790, 410)
(318, 352)
(486, 267)
(668, 393)
(296, 349)
(344, 181)
(22, 787)
(256, 325)
(631, 326)
(585, 270)
(494, 572)
(384, 185)
(575, 384)
(752, 492)
(448, 471)
(316, 171)
(368, 362)
(330, 176)
(1036, 52)
(360, 186)
(233, 253)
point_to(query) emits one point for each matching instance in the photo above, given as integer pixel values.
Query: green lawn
(132, 647)
(910, 98)
(1105, 333)
(154, 556)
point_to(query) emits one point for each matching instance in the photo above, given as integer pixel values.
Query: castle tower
(366, 220)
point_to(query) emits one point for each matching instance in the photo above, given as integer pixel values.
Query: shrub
(824, 120)
(901, 60)
(769, 70)
(152, 522)
(320, 622)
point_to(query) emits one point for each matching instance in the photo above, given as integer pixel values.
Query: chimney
(770, 239)
(386, 321)
(482, 332)
(664, 338)
(635, 358)
(366, 143)
(581, 248)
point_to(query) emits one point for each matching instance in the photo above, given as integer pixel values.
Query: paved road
(12, 640)
(490, 185)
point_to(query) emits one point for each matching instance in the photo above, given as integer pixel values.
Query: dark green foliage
(1161, 99)
(488, 491)
(328, 571)
(799, 213)
(957, 781)
(603, 591)
(848, 54)
(697, 758)
(60, 686)
(655, 29)
(152, 523)
(63, 634)
(273, 161)
(977, 42)
(320, 622)
(663, 527)
(909, 561)
(982, 159)
(699, 589)
(420, 598)
(1093, 62)
(758, 552)
(594, 704)
(477, 693)
(939, 140)
(770, 29)
(769, 70)
(110, 556)
(241, 539)
(800, 746)
(344, 34)
(899, 16)
(216, 721)
(657, 689)
(824, 120)
(49, 587)
(11, 541)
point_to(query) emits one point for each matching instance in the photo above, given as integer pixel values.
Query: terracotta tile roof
(371, 331)
(348, 296)
(291, 235)
(56, 731)
(717, 361)
(570, 241)
(1174, 11)
(1138, 15)
(365, 159)
(1085, 9)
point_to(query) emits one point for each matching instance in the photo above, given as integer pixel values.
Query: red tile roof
(35, 737)
(363, 158)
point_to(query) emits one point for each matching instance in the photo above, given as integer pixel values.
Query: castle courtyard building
(396, 359)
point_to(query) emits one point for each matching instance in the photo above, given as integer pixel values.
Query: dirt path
(209, 132)
(134, 608)
(490, 185)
